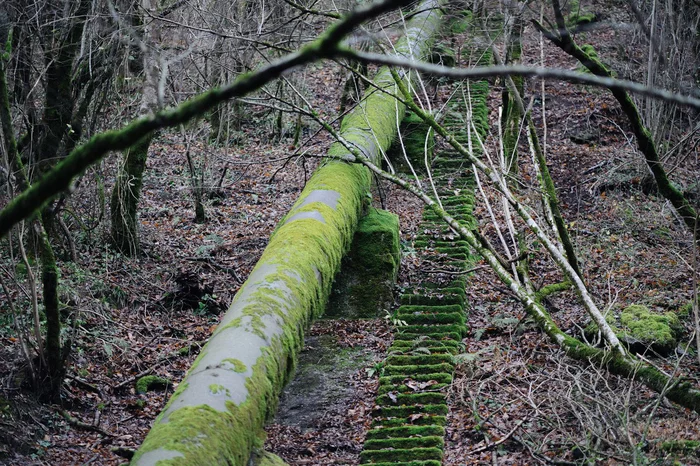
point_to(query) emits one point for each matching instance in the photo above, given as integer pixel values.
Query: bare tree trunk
(127, 189)
(512, 115)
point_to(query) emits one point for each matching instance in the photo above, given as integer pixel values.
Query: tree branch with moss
(645, 142)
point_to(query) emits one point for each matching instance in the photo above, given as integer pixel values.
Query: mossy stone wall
(366, 280)
(418, 141)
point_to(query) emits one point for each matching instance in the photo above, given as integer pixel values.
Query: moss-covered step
(441, 335)
(440, 377)
(416, 137)
(446, 330)
(423, 419)
(436, 242)
(399, 454)
(411, 406)
(406, 411)
(453, 164)
(456, 289)
(421, 359)
(428, 318)
(434, 346)
(407, 399)
(404, 443)
(406, 431)
(452, 201)
(448, 259)
(416, 309)
(453, 252)
(430, 300)
(383, 389)
(430, 283)
(408, 371)
(455, 210)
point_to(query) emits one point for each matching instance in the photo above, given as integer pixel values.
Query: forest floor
(515, 399)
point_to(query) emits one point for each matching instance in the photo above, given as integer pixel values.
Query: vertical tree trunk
(127, 190)
(50, 378)
(125, 198)
(512, 116)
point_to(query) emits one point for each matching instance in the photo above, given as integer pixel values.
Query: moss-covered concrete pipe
(217, 413)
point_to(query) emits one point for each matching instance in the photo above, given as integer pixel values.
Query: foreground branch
(522, 70)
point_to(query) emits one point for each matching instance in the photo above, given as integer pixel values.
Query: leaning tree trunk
(217, 413)
(127, 189)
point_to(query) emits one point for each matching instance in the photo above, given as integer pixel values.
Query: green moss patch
(409, 370)
(440, 377)
(655, 330)
(434, 318)
(422, 419)
(417, 140)
(399, 454)
(405, 411)
(448, 330)
(685, 447)
(151, 382)
(406, 431)
(641, 330)
(409, 388)
(421, 359)
(421, 299)
(404, 443)
(364, 285)
(435, 309)
(405, 399)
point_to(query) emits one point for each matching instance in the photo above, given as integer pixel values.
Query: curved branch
(522, 70)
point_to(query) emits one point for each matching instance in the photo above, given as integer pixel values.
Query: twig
(75, 422)
(208, 260)
(453, 272)
(498, 442)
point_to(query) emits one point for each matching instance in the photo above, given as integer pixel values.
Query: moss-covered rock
(660, 332)
(641, 330)
(151, 382)
(365, 283)
(443, 55)
(681, 446)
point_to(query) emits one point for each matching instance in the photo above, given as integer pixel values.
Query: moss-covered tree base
(366, 280)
